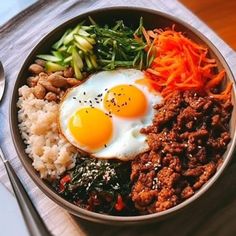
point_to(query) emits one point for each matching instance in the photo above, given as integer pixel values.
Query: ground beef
(187, 139)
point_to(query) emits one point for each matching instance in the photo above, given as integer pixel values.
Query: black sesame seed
(74, 97)
(96, 98)
(86, 111)
(84, 93)
(106, 89)
(105, 145)
(97, 101)
(79, 101)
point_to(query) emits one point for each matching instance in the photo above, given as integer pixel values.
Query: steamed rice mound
(49, 150)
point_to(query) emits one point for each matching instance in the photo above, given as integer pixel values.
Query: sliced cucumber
(69, 49)
(70, 36)
(77, 71)
(77, 59)
(58, 54)
(83, 33)
(88, 62)
(91, 40)
(81, 47)
(62, 49)
(49, 58)
(67, 60)
(93, 60)
(61, 40)
(83, 42)
(52, 67)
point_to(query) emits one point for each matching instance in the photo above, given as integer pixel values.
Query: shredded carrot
(181, 64)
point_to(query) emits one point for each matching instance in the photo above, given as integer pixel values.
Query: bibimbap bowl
(165, 174)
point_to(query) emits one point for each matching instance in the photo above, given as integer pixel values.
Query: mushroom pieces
(47, 85)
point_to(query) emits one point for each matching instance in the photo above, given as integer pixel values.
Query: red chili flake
(119, 206)
(66, 179)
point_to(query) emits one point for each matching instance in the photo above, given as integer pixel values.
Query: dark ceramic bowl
(131, 16)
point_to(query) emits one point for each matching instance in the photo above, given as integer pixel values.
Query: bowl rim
(98, 217)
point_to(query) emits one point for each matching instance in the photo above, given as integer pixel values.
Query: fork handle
(34, 222)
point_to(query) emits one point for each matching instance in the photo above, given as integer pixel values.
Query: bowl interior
(131, 16)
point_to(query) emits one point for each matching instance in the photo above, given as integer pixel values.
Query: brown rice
(49, 150)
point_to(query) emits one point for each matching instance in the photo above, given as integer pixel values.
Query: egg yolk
(126, 101)
(91, 127)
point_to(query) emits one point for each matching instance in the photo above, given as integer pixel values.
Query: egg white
(127, 141)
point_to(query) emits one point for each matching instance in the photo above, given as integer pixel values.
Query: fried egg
(104, 115)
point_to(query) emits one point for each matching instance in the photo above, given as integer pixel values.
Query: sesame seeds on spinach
(97, 184)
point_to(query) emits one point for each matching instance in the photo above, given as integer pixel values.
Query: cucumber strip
(68, 59)
(81, 47)
(77, 59)
(91, 40)
(93, 60)
(58, 54)
(83, 33)
(87, 28)
(49, 58)
(70, 36)
(69, 49)
(89, 64)
(52, 67)
(62, 48)
(77, 71)
(61, 40)
(83, 42)
(93, 36)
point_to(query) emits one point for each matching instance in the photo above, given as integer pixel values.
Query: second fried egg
(104, 115)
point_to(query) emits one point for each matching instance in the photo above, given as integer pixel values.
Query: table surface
(8, 9)
(212, 214)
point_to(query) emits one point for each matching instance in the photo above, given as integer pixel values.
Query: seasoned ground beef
(189, 135)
